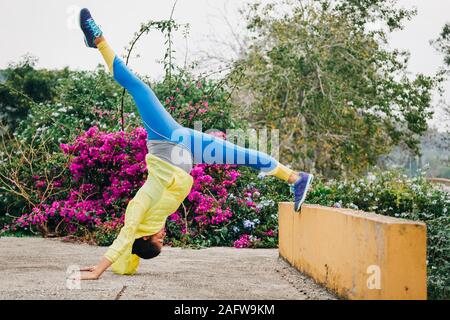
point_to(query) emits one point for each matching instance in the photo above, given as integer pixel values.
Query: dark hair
(145, 249)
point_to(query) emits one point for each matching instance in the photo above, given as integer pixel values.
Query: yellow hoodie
(160, 196)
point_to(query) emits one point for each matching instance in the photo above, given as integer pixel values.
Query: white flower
(338, 204)
(266, 203)
(249, 224)
(261, 175)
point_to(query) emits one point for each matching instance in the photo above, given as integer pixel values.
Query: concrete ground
(35, 268)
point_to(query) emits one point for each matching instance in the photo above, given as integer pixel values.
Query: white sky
(48, 30)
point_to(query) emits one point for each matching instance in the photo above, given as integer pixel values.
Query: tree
(21, 86)
(322, 73)
(443, 43)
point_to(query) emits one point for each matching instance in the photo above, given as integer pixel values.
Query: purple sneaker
(300, 189)
(90, 29)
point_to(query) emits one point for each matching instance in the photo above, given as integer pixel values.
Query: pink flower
(243, 242)
(175, 217)
(64, 148)
(269, 233)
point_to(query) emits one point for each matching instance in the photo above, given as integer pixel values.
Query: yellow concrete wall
(358, 255)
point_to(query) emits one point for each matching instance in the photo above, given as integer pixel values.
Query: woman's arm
(94, 272)
(124, 241)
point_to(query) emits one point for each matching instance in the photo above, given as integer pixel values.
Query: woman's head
(148, 247)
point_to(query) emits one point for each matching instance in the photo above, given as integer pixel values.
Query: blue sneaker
(300, 189)
(90, 29)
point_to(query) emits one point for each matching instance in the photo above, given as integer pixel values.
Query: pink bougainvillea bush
(106, 169)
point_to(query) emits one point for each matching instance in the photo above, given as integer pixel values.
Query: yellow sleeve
(126, 264)
(124, 243)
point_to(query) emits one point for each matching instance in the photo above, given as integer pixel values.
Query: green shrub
(84, 99)
(189, 99)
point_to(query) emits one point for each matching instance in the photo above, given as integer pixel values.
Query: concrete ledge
(356, 254)
(440, 181)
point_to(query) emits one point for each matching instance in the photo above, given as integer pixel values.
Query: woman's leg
(213, 150)
(205, 148)
(209, 149)
(161, 126)
(157, 121)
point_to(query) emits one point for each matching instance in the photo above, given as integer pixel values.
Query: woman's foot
(90, 29)
(301, 187)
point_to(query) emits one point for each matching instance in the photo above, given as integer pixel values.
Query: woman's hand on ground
(90, 268)
(92, 272)
(89, 275)
(85, 273)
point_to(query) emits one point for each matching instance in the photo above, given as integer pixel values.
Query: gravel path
(35, 268)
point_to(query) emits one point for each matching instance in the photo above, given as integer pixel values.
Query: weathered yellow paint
(356, 254)
(286, 239)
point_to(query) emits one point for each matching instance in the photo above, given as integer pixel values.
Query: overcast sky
(48, 30)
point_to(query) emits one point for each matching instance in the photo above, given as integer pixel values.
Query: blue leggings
(160, 125)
